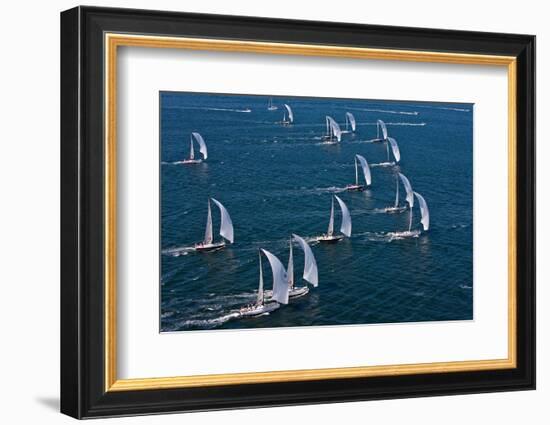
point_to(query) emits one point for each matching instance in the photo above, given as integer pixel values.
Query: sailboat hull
(257, 310)
(272, 108)
(202, 247)
(292, 294)
(330, 239)
(404, 234)
(355, 188)
(395, 210)
(191, 161)
(285, 123)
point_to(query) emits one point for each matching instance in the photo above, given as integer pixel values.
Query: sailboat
(350, 123)
(396, 208)
(334, 133)
(310, 273)
(366, 174)
(381, 128)
(202, 148)
(271, 106)
(287, 120)
(345, 227)
(226, 230)
(424, 211)
(279, 294)
(390, 141)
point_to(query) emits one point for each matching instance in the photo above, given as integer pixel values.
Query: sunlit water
(277, 180)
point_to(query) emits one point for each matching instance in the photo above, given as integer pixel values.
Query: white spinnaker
(260, 299)
(384, 129)
(424, 211)
(201, 143)
(290, 114)
(280, 278)
(311, 273)
(351, 120)
(345, 228)
(208, 238)
(408, 189)
(365, 167)
(226, 226)
(335, 128)
(395, 149)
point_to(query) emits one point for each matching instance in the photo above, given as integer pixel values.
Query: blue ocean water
(277, 180)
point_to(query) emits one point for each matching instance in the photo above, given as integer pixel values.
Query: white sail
(311, 273)
(260, 299)
(395, 149)
(424, 211)
(408, 188)
(208, 232)
(201, 143)
(382, 126)
(290, 267)
(345, 228)
(334, 128)
(331, 220)
(290, 114)
(280, 278)
(365, 167)
(191, 150)
(226, 226)
(351, 119)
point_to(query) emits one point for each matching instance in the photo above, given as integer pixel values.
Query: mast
(396, 191)
(356, 173)
(208, 232)
(388, 149)
(290, 267)
(331, 221)
(191, 151)
(377, 130)
(410, 218)
(260, 300)
(347, 122)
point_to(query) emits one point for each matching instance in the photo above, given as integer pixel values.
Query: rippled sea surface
(277, 180)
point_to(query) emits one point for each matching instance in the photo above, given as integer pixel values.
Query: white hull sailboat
(226, 230)
(390, 141)
(381, 131)
(310, 273)
(271, 106)
(350, 124)
(396, 208)
(366, 173)
(279, 294)
(333, 131)
(288, 116)
(424, 211)
(345, 227)
(202, 148)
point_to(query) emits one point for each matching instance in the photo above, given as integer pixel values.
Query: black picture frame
(83, 392)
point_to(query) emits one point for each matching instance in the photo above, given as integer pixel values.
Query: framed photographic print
(261, 212)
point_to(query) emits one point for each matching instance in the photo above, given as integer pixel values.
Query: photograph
(287, 211)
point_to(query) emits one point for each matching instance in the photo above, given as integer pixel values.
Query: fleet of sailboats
(285, 285)
(345, 227)
(226, 230)
(366, 174)
(202, 149)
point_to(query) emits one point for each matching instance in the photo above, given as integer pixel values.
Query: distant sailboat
(334, 133)
(287, 118)
(271, 106)
(202, 149)
(425, 213)
(396, 208)
(226, 230)
(381, 130)
(350, 123)
(345, 227)
(280, 288)
(366, 174)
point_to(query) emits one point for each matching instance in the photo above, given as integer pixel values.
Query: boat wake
(385, 111)
(204, 108)
(383, 164)
(177, 251)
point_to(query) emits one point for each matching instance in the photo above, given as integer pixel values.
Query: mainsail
(208, 232)
(290, 267)
(334, 128)
(381, 125)
(226, 226)
(331, 220)
(201, 143)
(260, 299)
(408, 188)
(311, 273)
(191, 150)
(395, 149)
(345, 228)
(424, 211)
(290, 114)
(365, 167)
(280, 278)
(351, 119)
